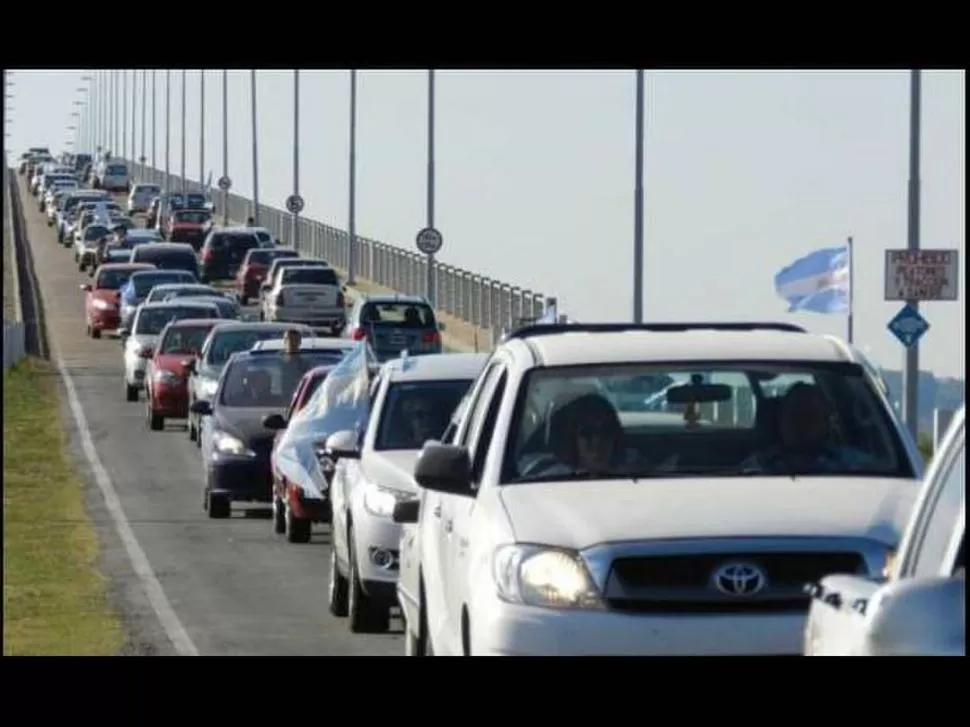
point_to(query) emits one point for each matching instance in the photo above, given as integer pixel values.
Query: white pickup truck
(311, 295)
(917, 609)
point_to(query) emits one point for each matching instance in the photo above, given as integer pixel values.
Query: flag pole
(851, 286)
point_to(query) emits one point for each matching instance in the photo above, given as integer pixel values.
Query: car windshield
(265, 256)
(95, 232)
(263, 236)
(161, 292)
(195, 200)
(116, 169)
(151, 321)
(144, 283)
(226, 343)
(168, 259)
(269, 380)
(399, 315)
(189, 291)
(227, 308)
(233, 240)
(310, 276)
(144, 190)
(416, 411)
(136, 237)
(192, 217)
(739, 420)
(176, 201)
(112, 279)
(118, 255)
(184, 339)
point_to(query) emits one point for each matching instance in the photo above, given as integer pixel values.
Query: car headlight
(103, 304)
(207, 387)
(167, 377)
(228, 444)
(380, 501)
(535, 575)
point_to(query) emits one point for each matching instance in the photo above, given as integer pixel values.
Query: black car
(236, 445)
(224, 250)
(168, 256)
(224, 340)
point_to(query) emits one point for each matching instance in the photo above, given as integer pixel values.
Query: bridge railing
(485, 303)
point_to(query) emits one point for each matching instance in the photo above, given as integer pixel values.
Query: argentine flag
(817, 283)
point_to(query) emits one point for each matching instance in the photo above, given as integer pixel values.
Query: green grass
(54, 600)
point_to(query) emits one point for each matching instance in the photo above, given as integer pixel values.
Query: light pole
(124, 115)
(296, 157)
(202, 128)
(184, 89)
(168, 130)
(225, 146)
(134, 111)
(252, 93)
(911, 363)
(638, 208)
(352, 192)
(429, 284)
(144, 119)
(154, 121)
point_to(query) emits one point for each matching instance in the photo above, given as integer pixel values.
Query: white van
(114, 176)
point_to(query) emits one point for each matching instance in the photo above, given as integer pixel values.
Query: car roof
(319, 266)
(206, 298)
(180, 303)
(262, 325)
(578, 344)
(143, 232)
(436, 366)
(308, 344)
(182, 286)
(393, 298)
(127, 266)
(178, 246)
(154, 269)
(194, 323)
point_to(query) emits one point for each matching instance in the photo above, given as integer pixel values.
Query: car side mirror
(924, 617)
(441, 326)
(189, 365)
(406, 512)
(123, 333)
(444, 468)
(274, 421)
(202, 407)
(343, 445)
(86, 287)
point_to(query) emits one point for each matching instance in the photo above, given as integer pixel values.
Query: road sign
(225, 184)
(908, 326)
(294, 204)
(922, 274)
(429, 241)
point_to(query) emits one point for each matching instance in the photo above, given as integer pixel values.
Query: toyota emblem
(739, 579)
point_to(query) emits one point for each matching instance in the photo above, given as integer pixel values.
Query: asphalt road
(237, 588)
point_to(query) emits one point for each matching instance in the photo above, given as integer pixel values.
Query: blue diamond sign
(908, 326)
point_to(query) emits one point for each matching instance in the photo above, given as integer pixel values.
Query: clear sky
(744, 172)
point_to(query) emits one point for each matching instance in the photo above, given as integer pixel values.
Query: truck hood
(581, 514)
(392, 468)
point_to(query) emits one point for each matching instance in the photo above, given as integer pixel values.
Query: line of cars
(679, 489)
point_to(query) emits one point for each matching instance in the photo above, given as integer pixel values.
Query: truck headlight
(536, 575)
(228, 444)
(380, 501)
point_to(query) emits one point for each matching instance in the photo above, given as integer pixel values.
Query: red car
(188, 226)
(166, 376)
(101, 297)
(254, 267)
(301, 513)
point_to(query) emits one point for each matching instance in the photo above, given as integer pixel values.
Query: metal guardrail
(14, 331)
(14, 343)
(481, 301)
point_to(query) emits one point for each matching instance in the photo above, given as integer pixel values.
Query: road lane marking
(139, 561)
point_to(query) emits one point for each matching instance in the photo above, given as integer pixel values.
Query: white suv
(579, 513)
(917, 609)
(413, 399)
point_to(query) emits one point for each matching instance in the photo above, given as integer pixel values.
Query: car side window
(940, 519)
(476, 410)
(482, 438)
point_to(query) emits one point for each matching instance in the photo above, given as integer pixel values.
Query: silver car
(141, 197)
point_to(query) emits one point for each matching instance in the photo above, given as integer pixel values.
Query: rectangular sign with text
(923, 275)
